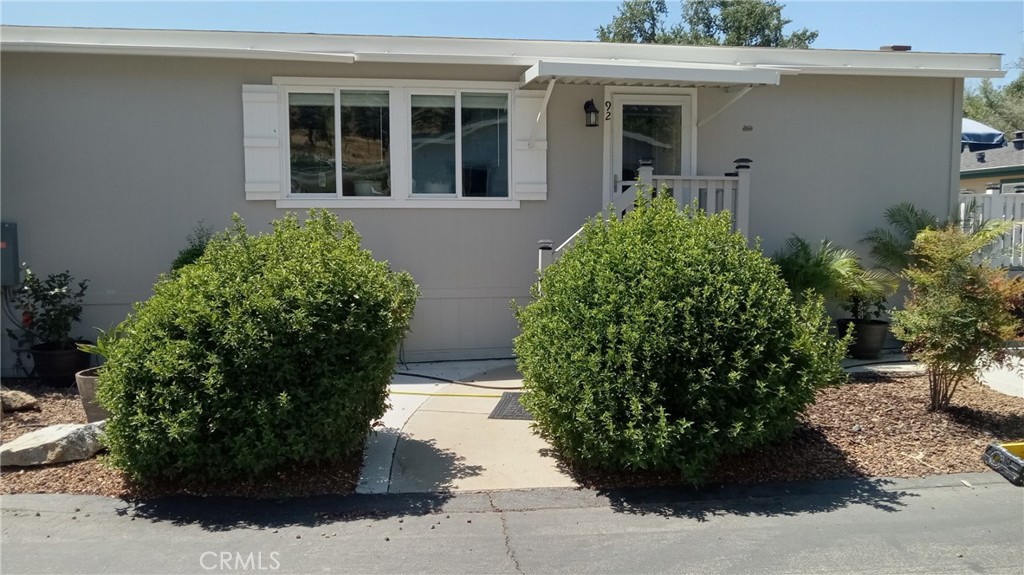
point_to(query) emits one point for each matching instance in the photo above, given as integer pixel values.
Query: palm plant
(834, 273)
(891, 247)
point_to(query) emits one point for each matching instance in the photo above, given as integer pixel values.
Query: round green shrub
(269, 350)
(661, 341)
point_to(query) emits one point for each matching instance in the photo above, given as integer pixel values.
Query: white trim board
(425, 50)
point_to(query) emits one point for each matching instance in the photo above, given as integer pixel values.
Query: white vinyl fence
(976, 208)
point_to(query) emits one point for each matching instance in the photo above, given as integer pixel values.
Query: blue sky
(959, 26)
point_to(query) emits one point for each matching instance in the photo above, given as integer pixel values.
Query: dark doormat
(509, 407)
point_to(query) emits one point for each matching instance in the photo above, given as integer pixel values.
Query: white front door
(654, 130)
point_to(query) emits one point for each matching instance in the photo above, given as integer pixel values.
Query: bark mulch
(93, 476)
(873, 426)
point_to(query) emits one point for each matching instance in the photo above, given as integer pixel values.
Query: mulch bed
(874, 426)
(93, 476)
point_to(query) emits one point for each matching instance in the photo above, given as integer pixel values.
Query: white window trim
(400, 124)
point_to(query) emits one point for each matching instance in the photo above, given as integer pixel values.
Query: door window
(652, 134)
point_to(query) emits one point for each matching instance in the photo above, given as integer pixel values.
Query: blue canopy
(976, 136)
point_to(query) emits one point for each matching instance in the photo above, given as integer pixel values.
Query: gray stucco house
(453, 157)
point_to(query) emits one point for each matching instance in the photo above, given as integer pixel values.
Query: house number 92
(607, 110)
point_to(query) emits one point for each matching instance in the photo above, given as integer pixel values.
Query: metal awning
(647, 73)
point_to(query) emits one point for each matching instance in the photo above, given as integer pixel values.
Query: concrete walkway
(1008, 380)
(437, 437)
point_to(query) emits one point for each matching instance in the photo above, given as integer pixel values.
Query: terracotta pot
(86, 380)
(55, 366)
(868, 336)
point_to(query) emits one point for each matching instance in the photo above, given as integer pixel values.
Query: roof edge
(330, 47)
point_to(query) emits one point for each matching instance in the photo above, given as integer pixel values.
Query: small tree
(957, 318)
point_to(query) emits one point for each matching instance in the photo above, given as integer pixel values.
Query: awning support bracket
(729, 102)
(543, 110)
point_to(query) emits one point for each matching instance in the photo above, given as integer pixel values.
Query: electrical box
(10, 269)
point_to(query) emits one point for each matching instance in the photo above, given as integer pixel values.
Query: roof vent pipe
(980, 156)
(1018, 140)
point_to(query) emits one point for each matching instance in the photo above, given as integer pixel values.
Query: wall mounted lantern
(591, 111)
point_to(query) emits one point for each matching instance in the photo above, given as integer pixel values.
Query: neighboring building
(456, 155)
(1000, 168)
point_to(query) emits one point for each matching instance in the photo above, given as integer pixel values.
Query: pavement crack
(504, 531)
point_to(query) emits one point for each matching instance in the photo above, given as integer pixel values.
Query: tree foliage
(957, 318)
(705, 23)
(891, 246)
(1001, 108)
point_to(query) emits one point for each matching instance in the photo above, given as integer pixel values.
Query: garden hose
(428, 394)
(880, 362)
(446, 380)
(454, 382)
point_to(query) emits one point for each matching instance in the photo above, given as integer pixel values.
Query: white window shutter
(530, 147)
(262, 139)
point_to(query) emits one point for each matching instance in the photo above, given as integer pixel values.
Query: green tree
(1001, 108)
(958, 315)
(705, 23)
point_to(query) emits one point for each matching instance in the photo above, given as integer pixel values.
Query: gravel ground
(874, 426)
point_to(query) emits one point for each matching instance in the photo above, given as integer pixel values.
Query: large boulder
(53, 444)
(12, 400)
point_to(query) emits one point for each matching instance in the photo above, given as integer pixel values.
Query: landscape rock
(17, 401)
(53, 444)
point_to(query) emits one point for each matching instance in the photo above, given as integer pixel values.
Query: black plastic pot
(868, 336)
(56, 366)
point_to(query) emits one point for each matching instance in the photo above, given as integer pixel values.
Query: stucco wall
(831, 153)
(109, 162)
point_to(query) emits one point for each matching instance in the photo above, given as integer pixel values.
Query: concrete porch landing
(437, 436)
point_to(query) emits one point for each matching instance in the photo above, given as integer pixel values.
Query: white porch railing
(712, 194)
(976, 208)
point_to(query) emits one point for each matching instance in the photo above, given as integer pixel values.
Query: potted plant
(48, 310)
(88, 379)
(837, 274)
(865, 323)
